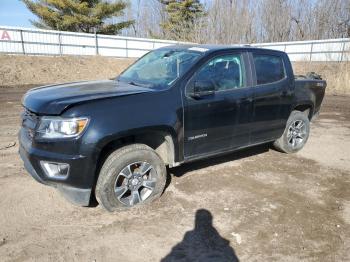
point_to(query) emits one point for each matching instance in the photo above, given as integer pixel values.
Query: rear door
(219, 121)
(271, 93)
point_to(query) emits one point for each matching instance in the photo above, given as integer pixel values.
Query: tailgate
(316, 86)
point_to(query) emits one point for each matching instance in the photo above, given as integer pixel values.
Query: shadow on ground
(203, 243)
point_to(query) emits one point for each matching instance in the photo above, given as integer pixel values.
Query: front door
(220, 120)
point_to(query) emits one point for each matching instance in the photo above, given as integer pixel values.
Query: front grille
(29, 122)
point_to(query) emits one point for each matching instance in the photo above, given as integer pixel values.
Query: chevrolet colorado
(113, 139)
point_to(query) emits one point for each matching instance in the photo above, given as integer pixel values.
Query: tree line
(205, 21)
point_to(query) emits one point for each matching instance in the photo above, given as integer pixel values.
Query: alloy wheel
(296, 133)
(135, 183)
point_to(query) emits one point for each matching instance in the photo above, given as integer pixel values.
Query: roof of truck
(212, 48)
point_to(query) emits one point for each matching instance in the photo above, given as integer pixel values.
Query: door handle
(246, 99)
(284, 93)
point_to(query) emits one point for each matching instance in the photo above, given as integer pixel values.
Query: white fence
(317, 50)
(16, 40)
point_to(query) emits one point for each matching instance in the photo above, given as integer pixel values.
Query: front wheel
(132, 175)
(295, 134)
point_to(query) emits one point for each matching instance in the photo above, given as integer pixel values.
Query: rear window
(268, 68)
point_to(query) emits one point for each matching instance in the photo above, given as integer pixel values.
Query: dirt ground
(255, 205)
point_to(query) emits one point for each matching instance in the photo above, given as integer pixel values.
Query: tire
(132, 175)
(295, 134)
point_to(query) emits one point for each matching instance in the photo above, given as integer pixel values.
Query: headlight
(57, 127)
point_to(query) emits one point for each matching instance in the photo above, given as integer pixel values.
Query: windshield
(159, 68)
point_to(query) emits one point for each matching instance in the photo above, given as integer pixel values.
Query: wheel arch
(305, 107)
(161, 139)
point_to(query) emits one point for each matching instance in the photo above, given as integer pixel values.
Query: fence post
(126, 48)
(342, 52)
(22, 42)
(96, 44)
(312, 47)
(60, 43)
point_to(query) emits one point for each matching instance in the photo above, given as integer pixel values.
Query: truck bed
(311, 87)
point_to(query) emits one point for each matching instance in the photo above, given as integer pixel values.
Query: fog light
(56, 170)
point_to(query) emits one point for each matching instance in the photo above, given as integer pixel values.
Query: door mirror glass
(203, 88)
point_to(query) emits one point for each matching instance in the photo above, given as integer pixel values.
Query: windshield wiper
(133, 83)
(138, 84)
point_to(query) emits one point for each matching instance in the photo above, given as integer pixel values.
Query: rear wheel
(295, 134)
(132, 175)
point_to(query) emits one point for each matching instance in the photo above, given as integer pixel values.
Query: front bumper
(68, 186)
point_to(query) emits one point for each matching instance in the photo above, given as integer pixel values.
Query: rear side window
(268, 68)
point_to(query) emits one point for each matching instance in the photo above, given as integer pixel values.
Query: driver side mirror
(203, 88)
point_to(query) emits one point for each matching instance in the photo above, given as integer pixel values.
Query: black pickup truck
(113, 139)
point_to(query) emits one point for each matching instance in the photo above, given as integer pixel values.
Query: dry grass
(23, 70)
(336, 74)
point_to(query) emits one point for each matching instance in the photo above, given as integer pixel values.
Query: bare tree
(231, 21)
(148, 15)
(332, 19)
(275, 20)
(249, 21)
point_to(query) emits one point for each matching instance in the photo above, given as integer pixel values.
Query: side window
(225, 72)
(268, 68)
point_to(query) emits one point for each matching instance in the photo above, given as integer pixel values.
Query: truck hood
(53, 99)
